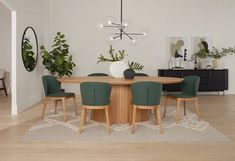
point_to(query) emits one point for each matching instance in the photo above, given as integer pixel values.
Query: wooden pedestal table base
(120, 107)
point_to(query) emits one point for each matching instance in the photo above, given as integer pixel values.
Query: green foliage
(112, 56)
(58, 60)
(135, 65)
(28, 55)
(216, 54)
(202, 53)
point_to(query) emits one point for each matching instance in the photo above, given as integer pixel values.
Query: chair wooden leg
(107, 119)
(56, 103)
(197, 108)
(4, 87)
(178, 111)
(165, 106)
(44, 108)
(64, 109)
(133, 120)
(85, 116)
(159, 119)
(75, 106)
(82, 118)
(130, 114)
(155, 114)
(184, 108)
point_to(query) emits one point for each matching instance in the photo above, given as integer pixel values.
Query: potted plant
(58, 61)
(118, 66)
(130, 72)
(217, 55)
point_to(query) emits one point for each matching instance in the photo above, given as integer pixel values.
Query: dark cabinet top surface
(194, 69)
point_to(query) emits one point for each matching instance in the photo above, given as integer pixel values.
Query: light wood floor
(217, 110)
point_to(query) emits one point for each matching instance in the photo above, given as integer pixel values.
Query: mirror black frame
(36, 39)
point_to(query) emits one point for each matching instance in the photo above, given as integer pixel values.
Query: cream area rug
(189, 130)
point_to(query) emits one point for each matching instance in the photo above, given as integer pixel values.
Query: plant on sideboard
(58, 61)
(217, 55)
(118, 66)
(133, 66)
(200, 57)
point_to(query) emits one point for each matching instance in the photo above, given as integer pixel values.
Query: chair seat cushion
(61, 94)
(180, 95)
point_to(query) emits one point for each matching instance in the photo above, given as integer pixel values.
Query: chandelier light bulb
(145, 33)
(125, 24)
(109, 22)
(100, 26)
(111, 38)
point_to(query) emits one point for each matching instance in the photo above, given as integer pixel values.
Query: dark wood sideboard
(210, 80)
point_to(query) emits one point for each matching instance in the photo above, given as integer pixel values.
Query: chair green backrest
(141, 74)
(98, 74)
(51, 85)
(146, 93)
(95, 93)
(190, 85)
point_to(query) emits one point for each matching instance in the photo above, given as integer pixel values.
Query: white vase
(117, 68)
(217, 63)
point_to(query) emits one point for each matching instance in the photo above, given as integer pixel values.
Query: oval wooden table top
(119, 81)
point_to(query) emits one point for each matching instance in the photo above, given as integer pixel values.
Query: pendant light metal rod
(121, 12)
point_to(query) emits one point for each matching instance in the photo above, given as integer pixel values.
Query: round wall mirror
(29, 49)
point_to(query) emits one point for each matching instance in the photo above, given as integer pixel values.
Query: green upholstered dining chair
(98, 74)
(95, 96)
(146, 96)
(189, 89)
(141, 74)
(53, 92)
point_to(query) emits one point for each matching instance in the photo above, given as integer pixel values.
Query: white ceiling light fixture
(122, 27)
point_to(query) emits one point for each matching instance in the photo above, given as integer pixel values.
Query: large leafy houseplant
(28, 54)
(58, 61)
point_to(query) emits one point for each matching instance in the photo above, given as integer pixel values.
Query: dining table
(120, 109)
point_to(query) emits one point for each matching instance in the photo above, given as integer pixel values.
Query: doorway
(8, 58)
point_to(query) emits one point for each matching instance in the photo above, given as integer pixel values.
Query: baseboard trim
(29, 102)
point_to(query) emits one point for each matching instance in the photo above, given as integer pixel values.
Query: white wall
(78, 20)
(5, 39)
(29, 13)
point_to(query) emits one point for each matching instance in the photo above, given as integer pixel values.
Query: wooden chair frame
(84, 109)
(157, 116)
(184, 100)
(4, 86)
(56, 99)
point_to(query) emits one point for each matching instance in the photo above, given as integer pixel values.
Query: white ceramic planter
(217, 63)
(117, 68)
